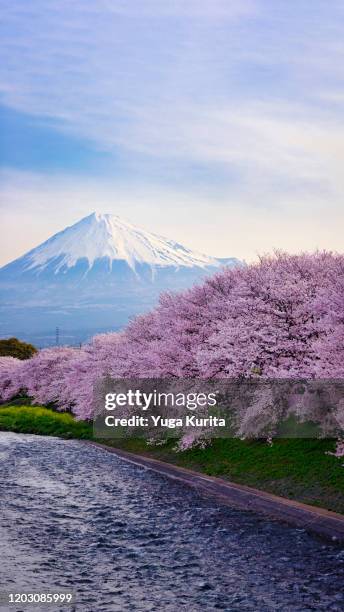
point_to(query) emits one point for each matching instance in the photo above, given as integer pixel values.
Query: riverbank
(318, 521)
(300, 470)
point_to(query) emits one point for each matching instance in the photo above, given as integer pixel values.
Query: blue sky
(218, 123)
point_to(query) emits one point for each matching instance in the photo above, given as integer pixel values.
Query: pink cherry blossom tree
(280, 318)
(43, 376)
(10, 378)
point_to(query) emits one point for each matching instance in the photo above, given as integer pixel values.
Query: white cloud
(172, 8)
(140, 77)
(249, 90)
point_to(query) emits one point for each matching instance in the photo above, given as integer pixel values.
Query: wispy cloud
(250, 93)
(178, 8)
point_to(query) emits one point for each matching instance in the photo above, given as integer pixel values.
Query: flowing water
(125, 538)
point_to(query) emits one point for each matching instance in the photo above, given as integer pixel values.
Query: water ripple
(124, 538)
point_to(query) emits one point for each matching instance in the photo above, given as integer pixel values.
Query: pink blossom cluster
(282, 317)
(10, 378)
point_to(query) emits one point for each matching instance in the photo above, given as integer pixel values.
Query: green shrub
(12, 347)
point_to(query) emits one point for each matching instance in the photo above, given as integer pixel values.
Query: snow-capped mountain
(108, 237)
(94, 275)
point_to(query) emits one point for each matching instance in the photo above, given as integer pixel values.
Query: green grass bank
(297, 469)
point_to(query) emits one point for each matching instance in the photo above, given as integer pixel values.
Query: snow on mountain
(107, 236)
(93, 276)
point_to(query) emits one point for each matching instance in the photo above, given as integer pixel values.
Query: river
(125, 538)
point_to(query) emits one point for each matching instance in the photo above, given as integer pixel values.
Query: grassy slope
(43, 421)
(298, 469)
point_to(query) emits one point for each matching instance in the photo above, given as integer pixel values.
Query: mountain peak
(100, 236)
(93, 276)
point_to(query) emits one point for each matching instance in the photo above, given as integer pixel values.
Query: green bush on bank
(43, 421)
(12, 347)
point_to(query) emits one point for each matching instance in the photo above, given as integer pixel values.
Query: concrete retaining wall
(318, 521)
